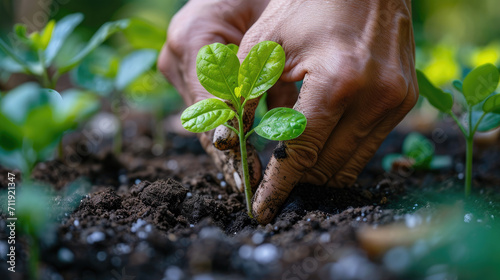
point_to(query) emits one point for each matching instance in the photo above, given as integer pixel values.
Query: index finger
(323, 105)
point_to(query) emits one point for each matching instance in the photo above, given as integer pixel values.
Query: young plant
(482, 106)
(35, 53)
(418, 153)
(220, 73)
(104, 73)
(33, 121)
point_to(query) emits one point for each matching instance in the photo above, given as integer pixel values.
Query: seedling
(35, 53)
(482, 106)
(220, 73)
(418, 153)
(33, 122)
(104, 73)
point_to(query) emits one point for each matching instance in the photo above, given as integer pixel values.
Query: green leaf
(261, 69)
(16, 63)
(458, 85)
(47, 34)
(206, 115)
(480, 83)
(419, 148)
(76, 106)
(11, 137)
(281, 124)
(99, 37)
(21, 32)
(217, 68)
(63, 29)
(492, 104)
(95, 72)
(440, 162)
(41, 128)
(233, 47)
(144, 35)
(133, 65)
(443, 101)
(489, 122)
(17, 104)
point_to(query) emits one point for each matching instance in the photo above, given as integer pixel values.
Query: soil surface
(173, 217)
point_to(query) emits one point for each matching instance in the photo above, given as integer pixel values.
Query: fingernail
(224, 138)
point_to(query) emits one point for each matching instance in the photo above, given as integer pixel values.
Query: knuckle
(302, 156)
(393, 91)
(342, 179)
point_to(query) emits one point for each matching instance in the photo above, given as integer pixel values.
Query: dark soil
(172, 217)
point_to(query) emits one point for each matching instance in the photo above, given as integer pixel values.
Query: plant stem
(466, 134)
(117, 142)
(34, 254)
(60, 149)
(244, 164)
(468, 165)
(468, 154)
(46, 82)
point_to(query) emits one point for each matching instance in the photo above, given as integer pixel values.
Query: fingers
(367, 112)
(348, 173)
(291, 159)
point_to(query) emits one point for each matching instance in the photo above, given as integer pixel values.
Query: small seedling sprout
(482, 106)
(220, 73)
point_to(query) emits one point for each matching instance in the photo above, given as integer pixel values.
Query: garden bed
(173, 217)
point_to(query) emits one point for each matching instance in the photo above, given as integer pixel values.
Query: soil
(173, 217)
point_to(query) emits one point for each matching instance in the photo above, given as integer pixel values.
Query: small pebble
(258, 238)
(137, 225)
(245, 252)
(324, 237)
(172, 164)
(96, 237)
(173, 273)
(122, 248)
(65, 255)
(265, 253)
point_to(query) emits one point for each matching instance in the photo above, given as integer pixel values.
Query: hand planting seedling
(34, 54)
(418, 153)
(482, 108)
(220, 73)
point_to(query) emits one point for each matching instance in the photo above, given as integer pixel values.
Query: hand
(356, 59)
(199, 23)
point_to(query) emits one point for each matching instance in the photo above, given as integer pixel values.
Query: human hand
(356, 59)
